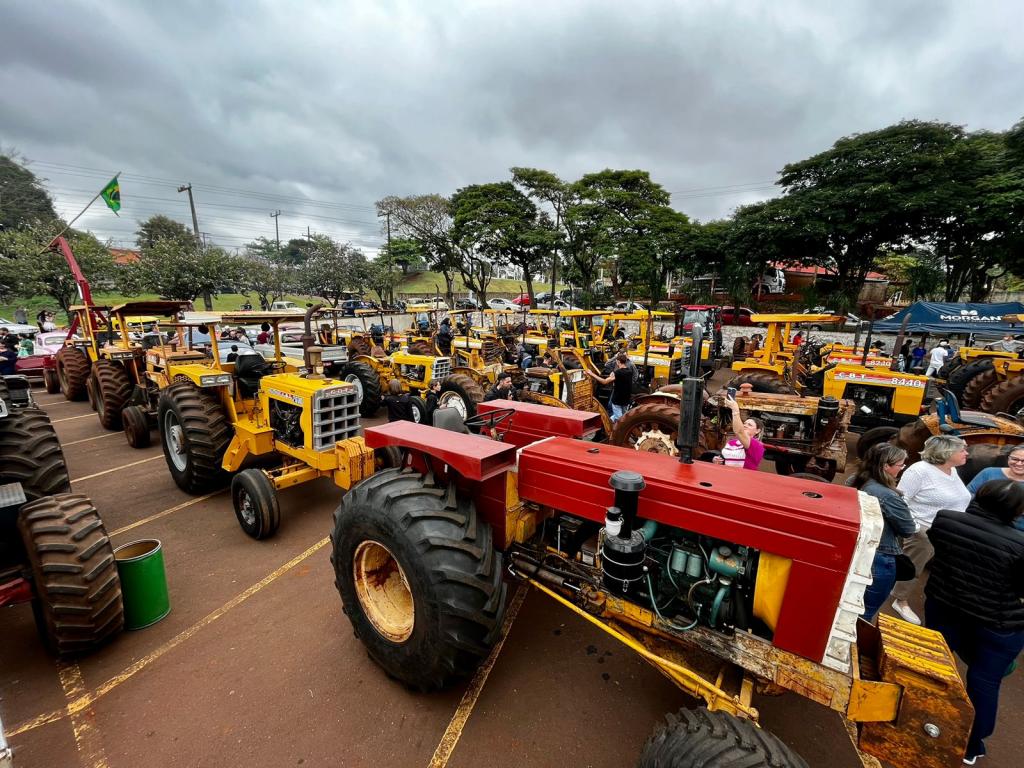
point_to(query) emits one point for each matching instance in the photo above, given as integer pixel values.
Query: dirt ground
(257, 666)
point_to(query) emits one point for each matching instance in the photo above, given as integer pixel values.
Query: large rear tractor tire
(949, 366)
(419, 578)
(976, 387)
(962, 376)
(873, 437)
(113, 389)
(650, 427)
(422, 347)
(1005, 397)
(136, 427)
(697, 738)
(461, 392)
(360, 345)
(367, 381)
(194, 432)
(72, 372)
(30, 454)
(763, 383)
(256, 506)
(78, 593)
(51, 381)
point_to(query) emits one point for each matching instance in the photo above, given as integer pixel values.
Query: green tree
(497, 223)
(406, 254)
(262, 273)
(38, 271)
(920, 270)
(176, 270)
(159, 228)
(547, 188)
(868, 193)
(333, 269)
(23, 199)
(296, 251)
(427, 220)
(664, 245)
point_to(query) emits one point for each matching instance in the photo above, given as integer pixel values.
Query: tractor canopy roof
(255, 318)
(132, 309)
(797, 318)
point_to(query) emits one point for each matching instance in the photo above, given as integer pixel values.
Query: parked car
(522, 300)
(284, 306)
(349, 306)
(501, 304)
(41, 362)
(466, 304)
(772, 281)
(18, 328)
(850, 321)
(627, 306)
(542, 297)
(730, 317)
(559, 304)
(437, 302)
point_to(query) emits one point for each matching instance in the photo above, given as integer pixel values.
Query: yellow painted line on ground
(54, 402)
(90, 439)
(117, 469)
(166, 512)
(85, 701)
(87, 734)
(476, 686)
(72, 418)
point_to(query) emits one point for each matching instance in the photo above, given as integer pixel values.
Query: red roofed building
(123, 256)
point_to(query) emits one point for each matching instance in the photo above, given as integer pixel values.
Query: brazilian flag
(111, 195)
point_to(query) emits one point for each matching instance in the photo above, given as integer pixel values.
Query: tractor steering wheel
(490, 420)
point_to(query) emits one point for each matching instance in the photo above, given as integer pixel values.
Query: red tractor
(726, 588)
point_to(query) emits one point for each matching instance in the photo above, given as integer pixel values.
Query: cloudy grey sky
(320, 108)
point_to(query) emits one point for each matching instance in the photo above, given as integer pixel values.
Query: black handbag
(905, 569)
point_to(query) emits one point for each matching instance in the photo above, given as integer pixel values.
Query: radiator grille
(335, 416)
(675, 367)
(442, 368)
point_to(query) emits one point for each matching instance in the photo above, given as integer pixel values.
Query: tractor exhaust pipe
(311, 353)
(692, 400)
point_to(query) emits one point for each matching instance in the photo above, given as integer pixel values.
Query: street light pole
(277, 231)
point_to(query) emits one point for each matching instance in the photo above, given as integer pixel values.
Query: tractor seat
(378, 352)
(948, 407)
(450, 419)
(249, 369)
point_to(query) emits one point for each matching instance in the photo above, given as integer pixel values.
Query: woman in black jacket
(974, 595)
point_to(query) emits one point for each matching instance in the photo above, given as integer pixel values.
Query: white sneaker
(906, 612)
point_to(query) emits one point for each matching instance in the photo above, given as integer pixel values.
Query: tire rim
(417, 415)
(656, 441)
(383, 591)
(453, 400)
(246, 509)
(351, 378)
(174, 440)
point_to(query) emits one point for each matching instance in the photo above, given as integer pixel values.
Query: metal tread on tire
(763, 382)
(73, 372)
(76, 583)
(959, 378)
(30, 454)
(367, 379)
(419, 578)
(650, 427)
(193, 451)
(1005, 397)
(697, 738)
(113, 390)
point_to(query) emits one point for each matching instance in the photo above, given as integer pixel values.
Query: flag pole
(87, 205)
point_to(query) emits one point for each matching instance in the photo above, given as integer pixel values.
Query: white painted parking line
(117, 469)
(72, 418)
(166, 512)
(90, 439)
(54, 402)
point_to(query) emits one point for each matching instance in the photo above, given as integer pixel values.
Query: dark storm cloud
(347, 102)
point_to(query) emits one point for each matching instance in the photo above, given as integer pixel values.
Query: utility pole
(309, 235)
(207, 298)
(277, 232)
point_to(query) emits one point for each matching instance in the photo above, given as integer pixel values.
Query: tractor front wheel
(419, 578)
(77, 590)
(72, 372)
(419, 409)
(51, 381)
(366, 380)
(113, 389)
(256, 507)
(194, 432)
(30, 454)
(698, 738)
(461, 392)
(136, 426)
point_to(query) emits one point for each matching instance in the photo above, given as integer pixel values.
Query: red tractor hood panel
(816, 525)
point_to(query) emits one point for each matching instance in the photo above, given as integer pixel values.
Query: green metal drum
(140, 566)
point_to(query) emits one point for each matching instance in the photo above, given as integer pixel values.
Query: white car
(628, 306)
(502, 304)
(560, 304)
(18, 328)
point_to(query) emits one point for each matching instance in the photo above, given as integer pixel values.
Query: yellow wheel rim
(383, 591)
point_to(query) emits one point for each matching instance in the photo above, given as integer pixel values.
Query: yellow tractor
(216, 417)
(107, 362)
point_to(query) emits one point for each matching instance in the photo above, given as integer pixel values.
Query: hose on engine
(657, 611)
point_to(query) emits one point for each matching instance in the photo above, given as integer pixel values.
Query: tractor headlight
(215, 380)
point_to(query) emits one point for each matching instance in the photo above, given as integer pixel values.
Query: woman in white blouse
(928, 486)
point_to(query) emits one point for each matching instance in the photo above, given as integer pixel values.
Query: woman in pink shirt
(748, 433)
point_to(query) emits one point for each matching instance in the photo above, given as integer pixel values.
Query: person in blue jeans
(1014, 470)
(621, 380)
(877, 477)
(974, 595)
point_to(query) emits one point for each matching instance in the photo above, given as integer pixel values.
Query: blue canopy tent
(939, 318)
